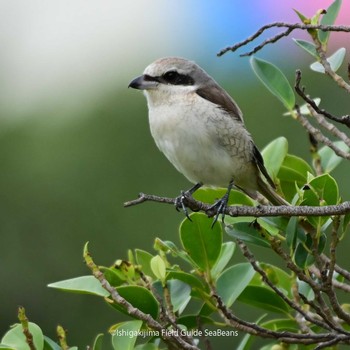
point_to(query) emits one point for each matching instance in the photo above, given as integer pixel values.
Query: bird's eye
(174, 78)
(171, 77)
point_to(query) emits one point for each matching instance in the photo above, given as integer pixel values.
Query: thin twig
(343, 286)
(170, 337)
(301, 92)
(284, 336)
(291, 27)
(250, 257)
(327, 67)
(329, 126)
(337, 268)
(22, 317)
(317, 134)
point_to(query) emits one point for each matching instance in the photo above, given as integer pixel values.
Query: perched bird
(200, 129)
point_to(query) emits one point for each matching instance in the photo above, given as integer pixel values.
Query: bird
(200, 129)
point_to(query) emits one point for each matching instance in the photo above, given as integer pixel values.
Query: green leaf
(303, 109)
(202, 243)
(211, 195)
(293, 170)
(139, 297)
(321, 190)
(302, 17)
(247, 233)
(113, 276)
(346, 221)
(98, 342)
(284, 324)
(158, 267)
(170, 247)
(315, 19)
(146, 346)
(326, 188)
(309, 47)
(268, 225)
(83, 285)
(49, 344)
(180, 294)
(246, 341)
(263, 298)
(329, 19)
(306, 290)
(227, 250)
(278, 277)
(192, 321)
(274, 154)
(6, 347)
(302, 256)
(233, 281)
(190, 279)
(274, 80)
(125, 334)
(144, 258)
(291, 232)
(329, 160)
(335, 61)
(14, 338)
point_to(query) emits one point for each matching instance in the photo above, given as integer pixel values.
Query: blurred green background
(75, 142)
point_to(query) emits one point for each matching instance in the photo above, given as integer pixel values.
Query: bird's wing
(260, 163)
(222, 99)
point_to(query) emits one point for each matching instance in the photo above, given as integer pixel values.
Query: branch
(284, 336)
(237, 211)
(290, 27)
(250, 257)
(337, 268)
(318, 136)
(301, 92)
(25, 328)
(327, 67)
(133, 311)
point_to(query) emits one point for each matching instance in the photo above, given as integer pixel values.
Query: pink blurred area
(306, 7)
(283, 12)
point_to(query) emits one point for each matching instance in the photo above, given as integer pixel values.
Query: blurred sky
(66, 53)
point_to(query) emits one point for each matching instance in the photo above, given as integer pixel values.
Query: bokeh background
(75, 142)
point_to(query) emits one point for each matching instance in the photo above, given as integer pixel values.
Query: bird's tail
(270, 194)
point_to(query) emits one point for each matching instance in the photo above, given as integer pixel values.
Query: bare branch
(284, 336)
(327, 67)
(258, 211)
(169, 337)
(250, 257)
(317, 134)
(22, 317)
(337, 268)
(301, 92)
(290, 27)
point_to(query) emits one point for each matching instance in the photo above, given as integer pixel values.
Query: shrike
(200, 129)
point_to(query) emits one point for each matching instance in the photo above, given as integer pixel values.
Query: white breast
(188, 134)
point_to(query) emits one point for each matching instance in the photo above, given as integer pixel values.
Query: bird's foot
(180, 204)
(221, 205)
(180, 201)
(220, 208)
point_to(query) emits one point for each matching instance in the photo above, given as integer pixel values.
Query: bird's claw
(180, 205)
(220, 208)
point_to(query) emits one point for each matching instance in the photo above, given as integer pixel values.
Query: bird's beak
(143, 83)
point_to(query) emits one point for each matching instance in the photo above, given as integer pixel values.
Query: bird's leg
(179, 203)
(221, 204)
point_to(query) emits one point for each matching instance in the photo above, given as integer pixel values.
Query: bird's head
(170, 77)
